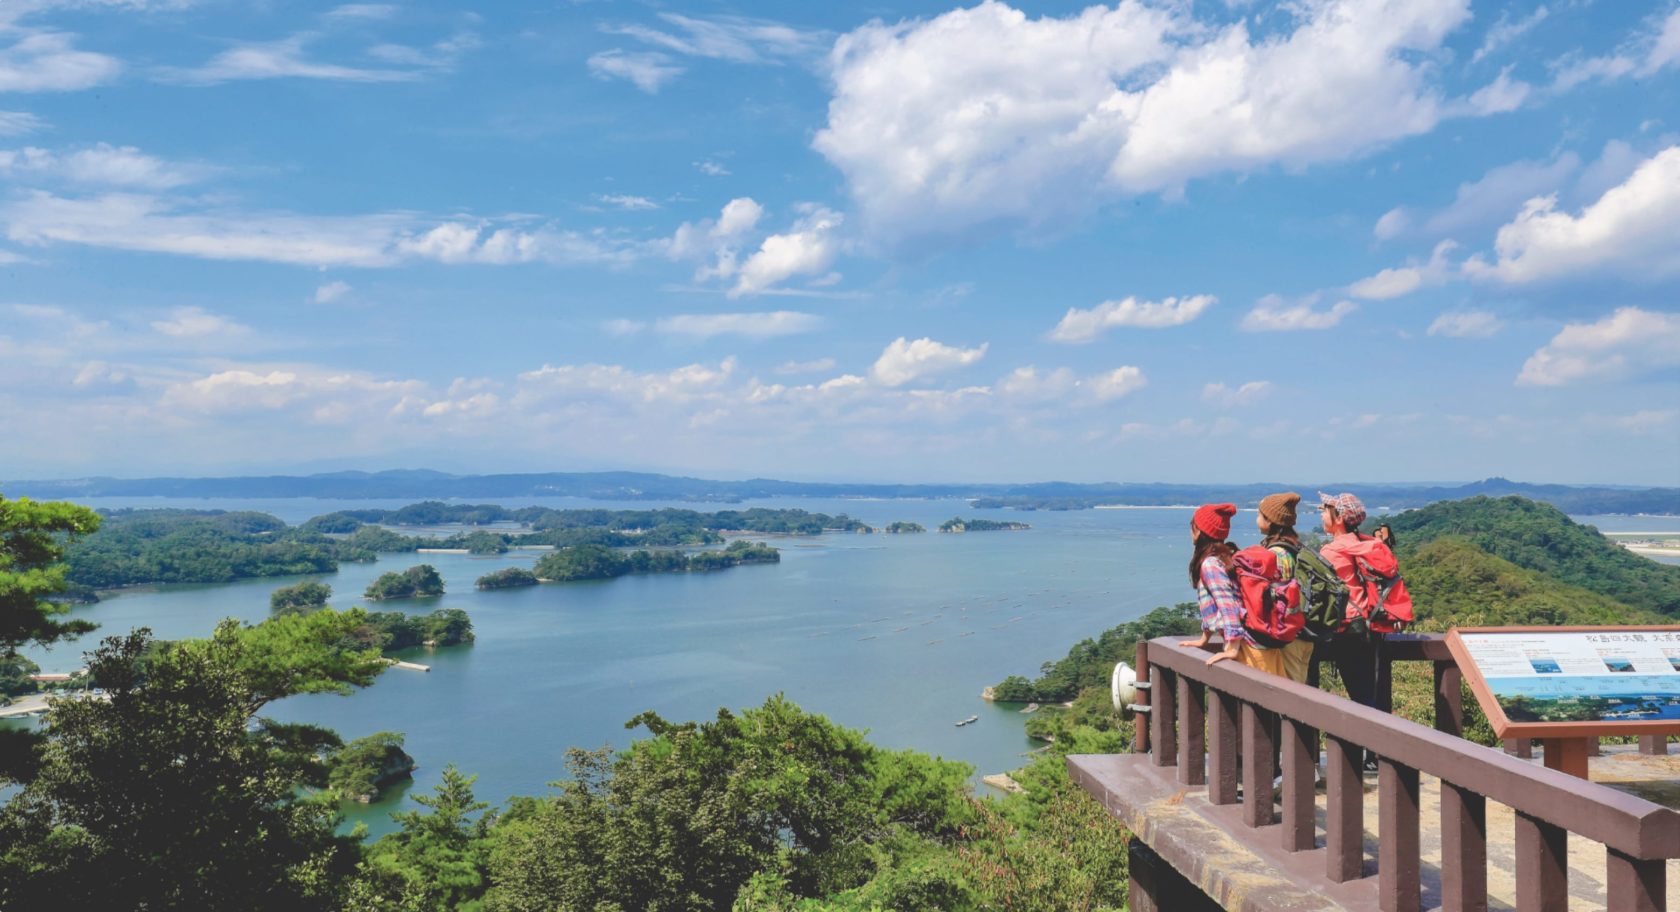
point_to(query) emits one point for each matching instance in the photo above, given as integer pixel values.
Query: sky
(1399, 240)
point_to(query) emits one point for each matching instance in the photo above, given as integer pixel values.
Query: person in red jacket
(1377, 600)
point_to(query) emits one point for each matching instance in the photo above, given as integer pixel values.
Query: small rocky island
(958, 524)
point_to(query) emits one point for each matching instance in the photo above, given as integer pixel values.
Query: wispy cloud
(1087, 325)
(17, 123)
(1274, 313)
(645, 70)
(45, 61)
(283, 59)
(733, 38)
(102, 164)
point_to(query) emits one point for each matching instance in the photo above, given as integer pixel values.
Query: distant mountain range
(422, 484)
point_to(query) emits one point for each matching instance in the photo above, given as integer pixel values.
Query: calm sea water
(893, 634)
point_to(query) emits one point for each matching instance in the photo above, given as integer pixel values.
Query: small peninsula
(589, 562)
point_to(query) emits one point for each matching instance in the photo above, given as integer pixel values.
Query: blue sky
(1220, 241)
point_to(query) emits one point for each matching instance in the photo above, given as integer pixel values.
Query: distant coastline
(642, 486)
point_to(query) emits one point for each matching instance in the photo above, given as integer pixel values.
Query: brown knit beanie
(1279, 509)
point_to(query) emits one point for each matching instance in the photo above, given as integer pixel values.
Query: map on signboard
(1609, 676)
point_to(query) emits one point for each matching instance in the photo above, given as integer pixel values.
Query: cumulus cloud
(807, 249)
(626, 201)
(1246, 394)
(646, 70)
(711, 168)
(1086, 325)
(1632, 230)
(331, 291)
(1122, 381)
(985, 114)
(1274, 313)
(716, 240)
(1033, 385)
(814, 366)
(323, 396)
(904, 360)
(44, 61)
(1469, 324)
(1399, 281)
(1627, 342)
(751, 325)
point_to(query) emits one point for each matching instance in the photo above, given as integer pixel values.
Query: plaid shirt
(1220, 602)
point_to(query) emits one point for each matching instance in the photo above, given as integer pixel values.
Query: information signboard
(1573, 682)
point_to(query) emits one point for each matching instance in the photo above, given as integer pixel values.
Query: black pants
(1358, 661)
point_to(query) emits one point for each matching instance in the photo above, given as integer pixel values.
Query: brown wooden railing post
(1140, 720)
(1257, 751)
(1449, 698)
(1542, 866)
(1633, 885)
(1163, 716)
(1463, 850)
(1344, 832)
(1222, 747)
(1299, 753)
(1398, 858)
(1653, 744)
(1192, 744)
(1521, 748)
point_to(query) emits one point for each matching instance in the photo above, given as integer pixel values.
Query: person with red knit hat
(1217, 596)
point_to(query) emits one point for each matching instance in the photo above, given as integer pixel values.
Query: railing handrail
(1629, 824)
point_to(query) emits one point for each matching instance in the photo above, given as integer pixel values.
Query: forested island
(590, 562)
(508, 578)
(133, 547)
(958, 524)
(904, 528)
(420, 581)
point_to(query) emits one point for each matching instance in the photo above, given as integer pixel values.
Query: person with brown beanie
(1217, 596)
(1277, 530)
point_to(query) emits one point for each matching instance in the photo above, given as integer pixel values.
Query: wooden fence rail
(1210, 721)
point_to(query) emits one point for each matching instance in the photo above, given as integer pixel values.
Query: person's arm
(1228, 609)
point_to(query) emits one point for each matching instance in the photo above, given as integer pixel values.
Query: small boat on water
(968, 721)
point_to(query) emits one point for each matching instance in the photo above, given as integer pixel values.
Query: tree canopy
(33, 537)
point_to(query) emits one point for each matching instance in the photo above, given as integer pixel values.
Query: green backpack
(1324, 596)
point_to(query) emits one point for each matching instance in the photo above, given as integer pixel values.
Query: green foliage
(394, 630)
(299, 598)
(33, 536)
(435, 861)
(904, 528)
(589, 562)
(507, 578)
(361, 769)
(184, 546)
(1540, 537)
(1090, 662)
(419, 581)
(958, 524)
(485, 543)
(14, 675)
(170, 795)
(683, 820)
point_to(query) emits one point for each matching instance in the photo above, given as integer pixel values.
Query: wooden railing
(1204, 719)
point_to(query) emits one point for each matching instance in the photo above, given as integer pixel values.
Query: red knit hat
(1214, 520)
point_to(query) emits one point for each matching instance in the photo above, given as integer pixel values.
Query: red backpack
(1378, 571)
(1272, 612)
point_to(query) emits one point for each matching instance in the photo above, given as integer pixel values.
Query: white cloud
(1246, 394)
(646, 71)
(1399, 281)
(612, 381)
(1122, 381)
(155, 224)
(282, 59)
(752, 325)
(717, 240)
(1629, 341)
(711, 168)
(331, 291)
(362, 11)
(1632, 230)
(1506, 31)
(1469, 324)
(196, 322)
(1497, 97)
(1646, 53)
(441, 55)
(904, 360)
(1391, 224)
(118, 166)
(321, 395)
(1086, 325)
(1646, 421)
(1033, 385)
(984, 114)
(17, 123)
(42, 61)
(808, 249)
(623, 327)
(626, 201)
(815, 366)
(733, 38)
(1275, 314)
